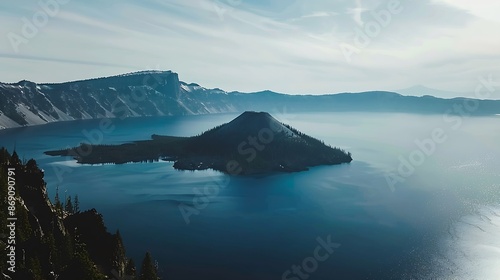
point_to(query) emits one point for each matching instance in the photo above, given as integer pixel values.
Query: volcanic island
(252, 143)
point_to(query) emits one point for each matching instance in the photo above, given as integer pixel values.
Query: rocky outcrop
(51, 243)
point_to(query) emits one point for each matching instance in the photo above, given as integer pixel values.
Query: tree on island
(252, 143)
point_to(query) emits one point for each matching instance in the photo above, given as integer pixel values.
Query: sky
(289, 46)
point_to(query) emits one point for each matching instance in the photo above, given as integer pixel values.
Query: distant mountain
(248, 123)
(423, 91)
(253, 143)
(160, 93)
(150, 93)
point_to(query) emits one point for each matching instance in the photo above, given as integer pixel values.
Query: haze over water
(442, 222)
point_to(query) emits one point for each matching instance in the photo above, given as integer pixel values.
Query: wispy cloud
(287, 46)
(357, 12)
(485, 9)
(61, 60)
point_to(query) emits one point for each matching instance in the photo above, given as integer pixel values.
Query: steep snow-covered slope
(148, 93)
(160, 93)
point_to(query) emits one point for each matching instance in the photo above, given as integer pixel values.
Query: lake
(420, 200)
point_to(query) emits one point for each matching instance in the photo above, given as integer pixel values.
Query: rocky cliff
(49, 242)
(161, 93)
(149, 93)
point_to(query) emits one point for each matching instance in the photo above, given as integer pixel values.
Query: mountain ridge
(420, 90)
(162, 93)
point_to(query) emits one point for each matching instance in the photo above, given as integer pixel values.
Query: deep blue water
(259, 227)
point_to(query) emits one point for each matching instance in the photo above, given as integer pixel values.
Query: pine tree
(14, 159)
(130, 269)
(81, 266)
(148, 270)
(76, 205)
(57, 202)
(4, 156)
(69, 205)
(119, 256)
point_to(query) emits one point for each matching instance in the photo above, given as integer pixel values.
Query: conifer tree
(57, 202)
(119, 256)
(76, 205)
(69, 205)
(130, 269)
(148, 270)
(81, 266)
(14, 159)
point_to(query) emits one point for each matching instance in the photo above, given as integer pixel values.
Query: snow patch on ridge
(6, 122)
(29, 116)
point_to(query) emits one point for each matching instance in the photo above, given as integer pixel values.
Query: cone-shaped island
(253, 143)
